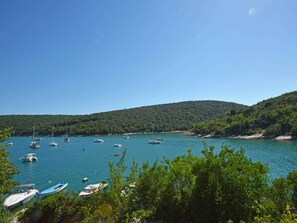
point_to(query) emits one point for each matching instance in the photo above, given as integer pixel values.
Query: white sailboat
(52, 143)
(66, 139)
(33, 143)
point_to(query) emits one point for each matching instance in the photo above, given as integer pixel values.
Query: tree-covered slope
(166, 117)
(273, 117)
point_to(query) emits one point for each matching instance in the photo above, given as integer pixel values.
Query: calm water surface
(70, 162)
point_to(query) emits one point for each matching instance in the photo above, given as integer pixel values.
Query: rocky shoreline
(254, 136)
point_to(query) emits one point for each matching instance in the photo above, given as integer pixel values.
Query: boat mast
(52, 134)
(33, 138)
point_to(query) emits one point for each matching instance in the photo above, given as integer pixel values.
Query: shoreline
(249, 137)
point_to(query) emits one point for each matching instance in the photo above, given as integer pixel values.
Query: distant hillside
(157, 118)
(273, 117)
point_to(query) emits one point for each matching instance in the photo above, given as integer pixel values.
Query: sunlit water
(81, 157)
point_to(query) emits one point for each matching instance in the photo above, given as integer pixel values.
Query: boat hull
(19, 199)
(52, 190)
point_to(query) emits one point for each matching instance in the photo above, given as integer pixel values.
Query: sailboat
(66, 139)
(53, 143)
(33, 143)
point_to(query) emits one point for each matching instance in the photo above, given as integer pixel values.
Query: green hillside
(157, 118)
(273, 117)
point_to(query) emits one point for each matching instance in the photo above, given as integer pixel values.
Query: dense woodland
(272, 117)
(158, 118)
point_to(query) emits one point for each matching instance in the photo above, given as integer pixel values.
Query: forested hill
(157, 118)
(273, 117)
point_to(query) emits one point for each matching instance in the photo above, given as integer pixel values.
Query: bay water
(81, 157)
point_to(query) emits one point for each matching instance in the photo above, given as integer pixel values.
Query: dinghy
(54, 189)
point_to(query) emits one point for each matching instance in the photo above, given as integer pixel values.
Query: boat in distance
(34, 144)
(66, 139)
(54, 189)
(30, 157)
(52, 143)
(98, 140)
(93, 188)
(117, 145)
(154, 141)
(21, 197)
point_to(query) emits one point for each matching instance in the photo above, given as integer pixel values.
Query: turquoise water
(70, 162)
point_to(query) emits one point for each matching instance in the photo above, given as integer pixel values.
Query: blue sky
(82, 57)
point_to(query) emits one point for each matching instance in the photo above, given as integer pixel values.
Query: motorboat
(117, 145)
(52, 143)
(85, 179)
(98, 140)
(93, 188)
(154, 141)
(30, 157)
(21, 197)
(10, 144)
(54, 189)
(38, 139)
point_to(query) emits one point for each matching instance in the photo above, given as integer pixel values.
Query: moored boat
(117, 145)
(21, 197)
(30, 157)
(85, 179)
(34, 144)
(66, 139)
(93, 188)
(54, 189)
(154, 141)
(52, 143)
(98, 140)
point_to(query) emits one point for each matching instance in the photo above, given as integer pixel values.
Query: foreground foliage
(7, 170)
(219, 187)
(273, 117)
(157, 118)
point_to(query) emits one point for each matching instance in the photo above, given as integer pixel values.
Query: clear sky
(87, 56)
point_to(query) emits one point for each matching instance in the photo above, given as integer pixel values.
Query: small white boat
(85, 179)
(10, 144)
(154, 141)
(98, 140)
(126, 137)
(93, 188)
(21, 197)
(52, 143)
(54, 189)
(117, 145)
(30, 157)
(38, 139)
